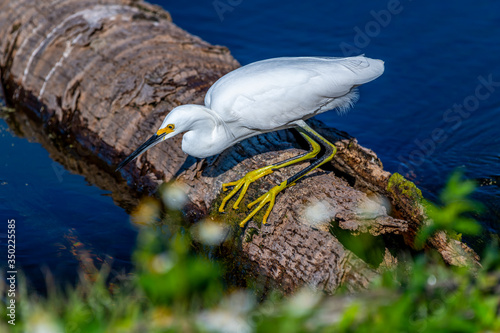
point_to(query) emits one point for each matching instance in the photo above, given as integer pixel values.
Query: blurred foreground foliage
(174, 288)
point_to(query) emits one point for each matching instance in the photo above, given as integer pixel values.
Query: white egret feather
(266, 96)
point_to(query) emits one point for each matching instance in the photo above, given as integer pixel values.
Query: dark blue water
(57, 214)
(427, 115)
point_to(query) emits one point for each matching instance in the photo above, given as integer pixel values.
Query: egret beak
(145, 146)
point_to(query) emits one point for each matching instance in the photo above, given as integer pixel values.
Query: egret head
(179, 120)
(172, 125)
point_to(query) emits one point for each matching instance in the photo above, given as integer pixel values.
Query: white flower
(373, 207)
(162, 263)
(41, 322)
(209, 232)
(175, 195)
(230, 316)
(303, 302)
(318, 212)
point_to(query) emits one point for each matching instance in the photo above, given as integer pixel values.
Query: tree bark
(102, 74)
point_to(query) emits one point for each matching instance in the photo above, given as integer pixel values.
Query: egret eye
(168, 129)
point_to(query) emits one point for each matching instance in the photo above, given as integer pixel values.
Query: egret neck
(207, 133)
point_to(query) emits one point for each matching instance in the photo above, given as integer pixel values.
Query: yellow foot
(243, 182)
(269, 197)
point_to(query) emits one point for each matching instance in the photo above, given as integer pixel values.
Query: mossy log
(102, 74)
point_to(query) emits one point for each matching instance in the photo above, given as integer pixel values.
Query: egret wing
(273, 93)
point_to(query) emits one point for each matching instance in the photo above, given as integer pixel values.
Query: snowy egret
(261, 97)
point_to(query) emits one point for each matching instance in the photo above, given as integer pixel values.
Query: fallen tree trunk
(104, 73)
